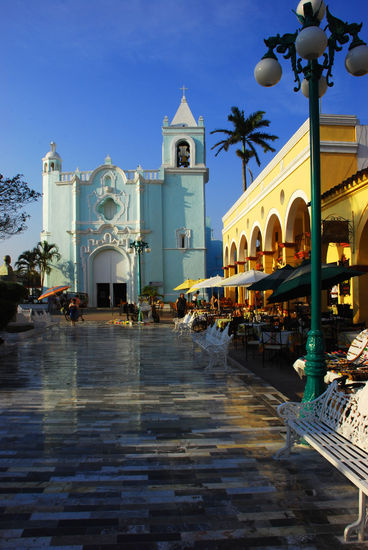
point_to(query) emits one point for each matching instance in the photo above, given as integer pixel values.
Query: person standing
(181, 305)
(78, 302)
(73, 311)
(50, 304)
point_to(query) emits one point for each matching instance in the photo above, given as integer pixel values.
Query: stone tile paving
(117, 438)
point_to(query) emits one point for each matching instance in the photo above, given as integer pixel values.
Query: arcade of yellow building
(269, 225)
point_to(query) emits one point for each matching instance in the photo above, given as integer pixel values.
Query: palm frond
(245, 131)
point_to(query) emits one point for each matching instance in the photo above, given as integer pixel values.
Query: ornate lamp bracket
(285, 45)
(340, 33)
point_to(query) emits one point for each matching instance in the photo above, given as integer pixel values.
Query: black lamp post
(310, 43)
(139, 247)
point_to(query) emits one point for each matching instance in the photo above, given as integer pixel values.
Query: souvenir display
(352, 364)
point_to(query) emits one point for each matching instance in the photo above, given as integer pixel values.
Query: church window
(52, 166)
(183, 154)
(108, 208)
(108, 181)
(183, 238)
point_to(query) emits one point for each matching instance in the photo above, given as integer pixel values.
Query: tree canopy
(14, 195)
(34, 264)
(45, 254)
(246, 132)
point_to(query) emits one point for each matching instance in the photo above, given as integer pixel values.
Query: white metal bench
(180, 320)
(215, 343)
(184, 324)
(335, 425)
(207, 335)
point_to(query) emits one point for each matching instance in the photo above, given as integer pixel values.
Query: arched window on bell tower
(52, 160)
(182, 154)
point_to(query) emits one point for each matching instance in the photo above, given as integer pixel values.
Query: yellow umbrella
(187, 284)
(193, 287)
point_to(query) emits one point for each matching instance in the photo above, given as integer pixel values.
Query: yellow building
(269, 225)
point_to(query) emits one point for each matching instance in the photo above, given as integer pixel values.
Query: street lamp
(310, 43)
(139, 247)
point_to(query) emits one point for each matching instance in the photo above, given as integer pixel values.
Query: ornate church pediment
(107, 206)
(109, 238)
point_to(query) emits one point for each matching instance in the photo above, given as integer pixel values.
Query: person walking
(78, 302)
(73, 311)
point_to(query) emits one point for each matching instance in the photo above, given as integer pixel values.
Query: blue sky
(98, 77)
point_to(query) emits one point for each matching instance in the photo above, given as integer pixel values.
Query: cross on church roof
(183, 88)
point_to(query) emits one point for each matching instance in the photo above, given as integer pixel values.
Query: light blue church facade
(93, 217)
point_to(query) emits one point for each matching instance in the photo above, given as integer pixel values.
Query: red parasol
(53, 290)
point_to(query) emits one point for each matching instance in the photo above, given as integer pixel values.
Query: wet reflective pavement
(116, 437)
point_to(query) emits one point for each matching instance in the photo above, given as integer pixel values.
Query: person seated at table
(290, 323)
(237, 312)
(195, 299)
(214, 302)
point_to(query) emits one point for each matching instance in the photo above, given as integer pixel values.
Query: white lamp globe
(322, 87)
(268, 72)
(311, 43)
(356, 61)
(318, 6)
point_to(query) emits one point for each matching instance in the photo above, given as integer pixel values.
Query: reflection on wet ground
(116, 437)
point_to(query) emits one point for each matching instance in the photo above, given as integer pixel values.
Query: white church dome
(52, 154)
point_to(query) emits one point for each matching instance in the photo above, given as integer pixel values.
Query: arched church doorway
(109, 278)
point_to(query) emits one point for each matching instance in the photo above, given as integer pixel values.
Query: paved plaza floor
(116, 437)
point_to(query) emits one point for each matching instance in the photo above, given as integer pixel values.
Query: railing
(68, 176)
(147, 174)
(151, 174)
(130, 174)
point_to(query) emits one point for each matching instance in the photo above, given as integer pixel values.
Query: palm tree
(246, 131)
(45, 254)
(26, 266)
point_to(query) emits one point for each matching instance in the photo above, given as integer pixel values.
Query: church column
(288, 253)
(268, 268)
(46, 203)
(140, 197)
(75, 238)
(251, 265)
(226, 274)
(241, 289)
(231, 289)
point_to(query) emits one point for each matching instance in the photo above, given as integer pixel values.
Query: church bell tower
(185, 175)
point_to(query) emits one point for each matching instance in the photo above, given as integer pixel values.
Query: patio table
(257, 327)
(221, 323)
(345, 338)
(337, 366)
(285, 336)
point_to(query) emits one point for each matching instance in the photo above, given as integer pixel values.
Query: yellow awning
(187, 284)
(193, 287)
